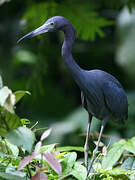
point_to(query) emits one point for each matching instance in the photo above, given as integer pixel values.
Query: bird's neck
(75, 70)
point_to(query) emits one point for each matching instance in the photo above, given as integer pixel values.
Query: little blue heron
(102, 95)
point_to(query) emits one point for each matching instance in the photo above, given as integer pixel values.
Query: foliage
(23, 157)
(88, 24)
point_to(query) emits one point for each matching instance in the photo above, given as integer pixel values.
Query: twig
(64, 176)
(29, 172)
(34, 125)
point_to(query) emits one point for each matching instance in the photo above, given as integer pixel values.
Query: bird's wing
(115, 99)
(83, 99)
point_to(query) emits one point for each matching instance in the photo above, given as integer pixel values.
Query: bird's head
(54, 23)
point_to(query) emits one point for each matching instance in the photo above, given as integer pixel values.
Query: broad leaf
(26, 161)
(79, 171)
(14, 149)
(9, 122)
(47, 148)
(130, 145)
(7, 99)
(113, 154)
(11, 177)
(70, 148)
(19, 95)
(12, 174)
(53, 162)
(37, 147)
(45, 134)
(4, 147)
(115, 174)
(129, 164)
(22, 136)
(69, 161)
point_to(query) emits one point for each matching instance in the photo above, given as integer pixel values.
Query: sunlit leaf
(129, 164)
(19, 95)
(47, 148)
(70, 148)
(130, 145)
(14, 149)
(12, 174)
(24, 121)
(69, 161)
(45, 134)
(115, 174)
(79, 171)
(4, 147)
(7, 99)
(22, 136)
(113, 154)
(37, 147)
(24, 57)
(53, 162)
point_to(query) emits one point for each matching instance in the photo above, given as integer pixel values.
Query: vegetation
(105, 40)
(24, 157)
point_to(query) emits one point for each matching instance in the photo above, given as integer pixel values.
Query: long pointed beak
(42, 29)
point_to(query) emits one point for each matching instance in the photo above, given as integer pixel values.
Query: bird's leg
(86, 146)
(95, 150)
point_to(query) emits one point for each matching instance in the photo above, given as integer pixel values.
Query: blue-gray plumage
(102, 95)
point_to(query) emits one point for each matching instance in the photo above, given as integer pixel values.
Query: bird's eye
(52, 23)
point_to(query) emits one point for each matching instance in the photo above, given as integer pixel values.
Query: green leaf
(4, 148)
(79, 171)
(115, 174)
(88, 24)
(19, 95)
(24, 57)
(68, 162)
(8, 122)
(113, 154)
(22, 136)
(8, 148)
(47, 148)
(70, 148)
(129, 164)
(24, 121)
(14, 149)
(130, 145)
(12, 174)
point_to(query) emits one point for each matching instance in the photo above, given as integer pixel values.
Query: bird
(102, 95)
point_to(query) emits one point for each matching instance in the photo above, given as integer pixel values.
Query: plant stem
(63, 177)
(4, 121)
(29, 172)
